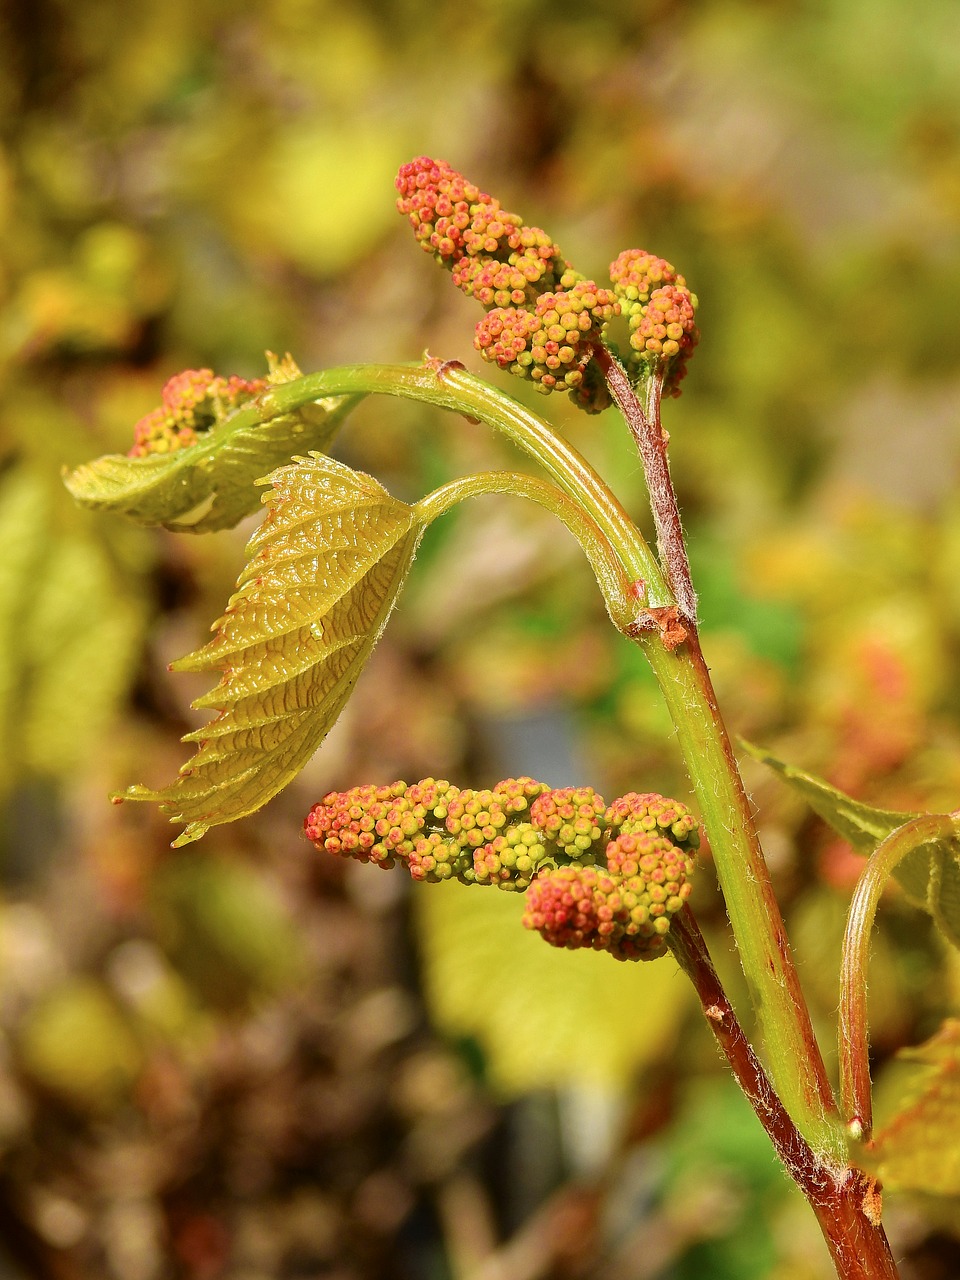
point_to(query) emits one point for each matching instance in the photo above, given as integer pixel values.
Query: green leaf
(918, 1148)
(323, 573)
(929, 875)
(209, 485)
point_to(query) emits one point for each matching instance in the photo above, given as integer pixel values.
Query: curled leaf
(209, 485)
(323, 573)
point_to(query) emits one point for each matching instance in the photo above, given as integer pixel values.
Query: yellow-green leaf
(918, 1148)
(929, 875)
(209, 485)
(323, 573)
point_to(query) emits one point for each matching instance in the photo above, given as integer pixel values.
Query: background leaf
(558, 1017)
(208, 485)
(918, 1148)
(64, 603)
(322, 576)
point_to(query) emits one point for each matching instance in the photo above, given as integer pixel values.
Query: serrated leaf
(929, 875)
(543, 1016)
(211, 484)
(861, 824)
(323, 574)
(918, 1149)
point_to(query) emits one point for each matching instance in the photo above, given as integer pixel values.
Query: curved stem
(841, 1197)
(853, 1035)
(607, 566)
(448, 385)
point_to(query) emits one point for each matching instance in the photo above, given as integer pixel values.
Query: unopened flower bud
(661, 313)
(368, 823)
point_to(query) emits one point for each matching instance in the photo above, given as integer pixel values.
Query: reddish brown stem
(844, 1199)
(644, 423)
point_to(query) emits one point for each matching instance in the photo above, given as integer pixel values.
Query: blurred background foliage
(245, 1061)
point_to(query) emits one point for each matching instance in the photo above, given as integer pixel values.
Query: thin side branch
(646, 429)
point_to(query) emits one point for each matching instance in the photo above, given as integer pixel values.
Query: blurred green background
(245, 1061)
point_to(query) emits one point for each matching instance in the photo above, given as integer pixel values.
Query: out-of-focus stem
(853, 1035)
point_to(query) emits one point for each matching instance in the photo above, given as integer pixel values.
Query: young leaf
(323, 574)
(918, 1149)
(209, 485)
(861, 824)
(929, 875)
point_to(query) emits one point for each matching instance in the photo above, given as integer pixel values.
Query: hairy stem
(792, 1054)
(651, 439)
(853, 1036)
(841, 1197)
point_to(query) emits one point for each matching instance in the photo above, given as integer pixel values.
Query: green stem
(853, 1037)
(604, 560)
(794, 1059)
(792, 1053)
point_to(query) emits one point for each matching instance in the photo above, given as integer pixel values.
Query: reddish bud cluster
(493, 256)
(371, 824)
(661, 312)
(191, 402)
(545, 320)
(554, 343)
(586, 889)
(577, 907)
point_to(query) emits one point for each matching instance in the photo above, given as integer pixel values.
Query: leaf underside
(323, 573)
(209, 485)
(929, 875)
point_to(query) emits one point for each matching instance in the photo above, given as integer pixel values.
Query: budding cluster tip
(518, 274)
(661, 312)
(191, 403)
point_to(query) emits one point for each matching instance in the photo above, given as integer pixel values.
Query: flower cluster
(599, 876)
(191, 403)
(554, 343)
(661, 312)
(545, 319)
(493, 256)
